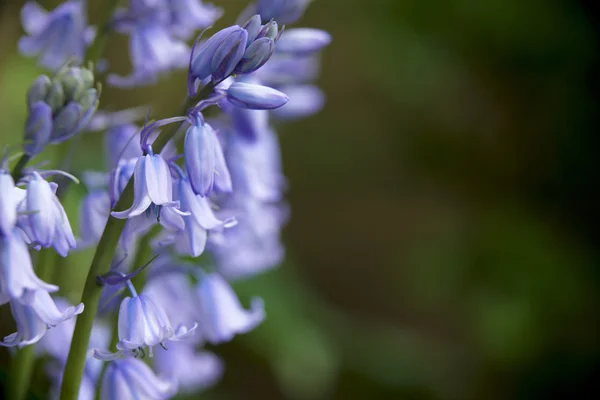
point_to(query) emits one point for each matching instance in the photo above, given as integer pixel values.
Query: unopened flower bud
(270, 30)
(252, 26)
(38, 90)
(256, 55)
(255, 97)
(59, 107)
(75, 81)
(37, 128)
(56, 96)
(201, 64)
(228, 54)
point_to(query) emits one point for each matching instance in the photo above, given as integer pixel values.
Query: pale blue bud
(201, 64)
(37, 128)
(39, 90)
(269, 30)
(255, 97)
(252, 26)
(228, 54)
(56, 96)
(256, 55)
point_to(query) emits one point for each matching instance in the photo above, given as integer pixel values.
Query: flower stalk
(101, 263)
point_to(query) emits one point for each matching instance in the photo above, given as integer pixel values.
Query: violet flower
(131, 378)
(56, 36)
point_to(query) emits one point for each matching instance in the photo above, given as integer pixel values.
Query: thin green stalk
(100, 265)
(18, 169)
(23, 363)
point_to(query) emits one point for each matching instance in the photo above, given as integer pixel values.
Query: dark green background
(444, 208)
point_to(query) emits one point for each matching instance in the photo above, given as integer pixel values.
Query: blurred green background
(443, 240)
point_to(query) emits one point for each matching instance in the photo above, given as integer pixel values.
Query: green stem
(23, 363)
(18, 169)
(101, 263)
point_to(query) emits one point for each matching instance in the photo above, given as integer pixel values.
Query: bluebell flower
(59, 107)
(46, 223)
(193, 370)
(40, 205)
(255, 97)
(303, 41)
(131, 378)
(282, 11)
(171, 290)
(305, 100)
(143, 324)
(17, 279)
(201, 219)
(256, 55)
(153, 51)
(187, 16)
(240, 50)
(152, 185)
(204, 163)
(153, 48)
(8, 203)
(228, 54)
(220, 314)
(200, 67)
(38, 128)
(57, 36)
(34, 319)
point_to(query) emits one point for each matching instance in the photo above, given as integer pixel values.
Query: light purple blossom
(143, 324)
(131, 378)
(194, 370)
(8, 203)
(219, 312)
(255, 97)
(56, 36)
(17, 279)
(34, 319)
(152, 185)
(204, 162)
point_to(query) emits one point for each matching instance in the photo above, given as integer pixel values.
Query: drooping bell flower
(220, 314)
(143, 324)
(131, 378)
(57, 36)
(34, 319)
(17, 279)
(204, 161)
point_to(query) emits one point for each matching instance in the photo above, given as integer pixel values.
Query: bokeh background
(443, 240)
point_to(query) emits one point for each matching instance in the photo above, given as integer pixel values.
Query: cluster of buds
(235, 50)
(59, 107)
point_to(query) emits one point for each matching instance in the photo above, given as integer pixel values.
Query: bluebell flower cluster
(211, 215)
(31, 218)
